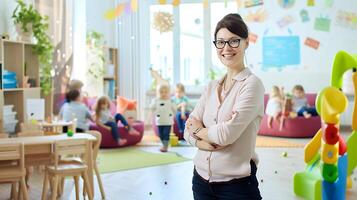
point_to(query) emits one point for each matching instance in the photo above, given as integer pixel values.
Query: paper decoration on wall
(322, 24)
(285, 21)
(253, 37)
(252, 3)
(312, 43)
(310, 2)
(205, 3)
(304, 16)
(286, 3)
(329, 3)
(134, 5)
(128, 7)
(175, 3)
(163, 22)
(281, 51)
(346, 19)
(259, 16)
(162, 1)
(239, 3)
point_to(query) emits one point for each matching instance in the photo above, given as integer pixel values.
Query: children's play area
(178, 99)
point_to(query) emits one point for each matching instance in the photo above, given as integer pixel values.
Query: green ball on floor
(285, 154)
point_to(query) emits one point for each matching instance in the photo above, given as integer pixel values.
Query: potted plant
(30, 21)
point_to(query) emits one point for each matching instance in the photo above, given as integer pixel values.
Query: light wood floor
(140, 183)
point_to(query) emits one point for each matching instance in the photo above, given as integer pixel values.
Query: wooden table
(44, 145)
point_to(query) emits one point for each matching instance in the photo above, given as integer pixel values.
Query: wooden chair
(14, 172)
(62, 149)
(96, 147)
(29, 130)
(95, 155)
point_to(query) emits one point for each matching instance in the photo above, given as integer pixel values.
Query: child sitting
(183, 109)
(75, 109)
(105, 119)
(300, 105)
(274, 105)
(163, 109)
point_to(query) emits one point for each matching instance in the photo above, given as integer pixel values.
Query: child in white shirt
(163, 109)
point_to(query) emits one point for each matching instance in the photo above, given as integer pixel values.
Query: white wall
(95, 10)
(314, 70)
(6, 23)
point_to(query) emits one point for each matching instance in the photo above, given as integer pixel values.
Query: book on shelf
(109, 88)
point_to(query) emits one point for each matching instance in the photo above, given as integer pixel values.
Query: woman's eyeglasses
(220, 44)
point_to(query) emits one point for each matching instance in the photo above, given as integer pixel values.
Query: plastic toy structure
(330, 160)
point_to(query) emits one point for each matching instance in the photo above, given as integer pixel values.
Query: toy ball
(69, 133)
(285, 154)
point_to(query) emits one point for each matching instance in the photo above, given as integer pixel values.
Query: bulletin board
(295, 41)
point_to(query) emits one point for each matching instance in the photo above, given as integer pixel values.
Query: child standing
(75, 109)
(274, 105)
(183, 107)
(300, 105)
(163, 109)
(105, 119)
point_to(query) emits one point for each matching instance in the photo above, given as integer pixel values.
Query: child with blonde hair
(105, 119)
(274, 105)
(163, 109)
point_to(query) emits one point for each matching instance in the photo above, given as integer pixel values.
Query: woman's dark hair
(234, 23)
(72, 95)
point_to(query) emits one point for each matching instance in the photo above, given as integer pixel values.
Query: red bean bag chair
(108, 140)
(299, 127)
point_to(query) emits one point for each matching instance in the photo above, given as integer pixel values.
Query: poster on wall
(346, 19)
(281, 51)
(322, 24)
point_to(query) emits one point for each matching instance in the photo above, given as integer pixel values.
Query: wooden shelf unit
(18, 57)
(111, 58)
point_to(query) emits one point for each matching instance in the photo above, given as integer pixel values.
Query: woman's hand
(192, 125)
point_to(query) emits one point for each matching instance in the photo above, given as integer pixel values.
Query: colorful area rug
(132, 158)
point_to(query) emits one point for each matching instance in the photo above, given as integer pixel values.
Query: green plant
(95, 54)
(26, 15)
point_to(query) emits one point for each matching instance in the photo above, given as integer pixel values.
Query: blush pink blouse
(246, 98)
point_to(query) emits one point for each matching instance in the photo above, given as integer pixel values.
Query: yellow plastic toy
(327, 173)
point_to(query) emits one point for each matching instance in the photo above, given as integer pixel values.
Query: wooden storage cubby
(14, 56)
(111, 58)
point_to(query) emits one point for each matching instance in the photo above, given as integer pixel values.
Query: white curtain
(134, 55)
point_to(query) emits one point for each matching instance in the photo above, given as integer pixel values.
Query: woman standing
(225, 122)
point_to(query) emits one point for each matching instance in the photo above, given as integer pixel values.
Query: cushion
(124, 104)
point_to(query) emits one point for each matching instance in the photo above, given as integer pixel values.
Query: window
(161, 45)
(191, 44)
(180, 55)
